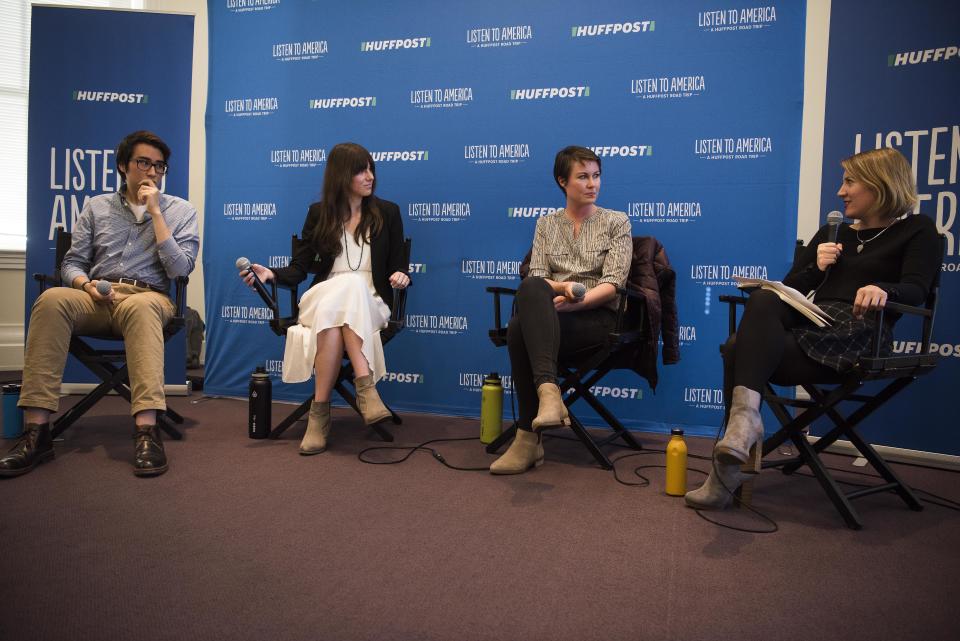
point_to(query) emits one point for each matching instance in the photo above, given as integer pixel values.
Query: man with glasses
(126, 249)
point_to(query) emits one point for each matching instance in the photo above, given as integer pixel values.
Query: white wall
(12, 277)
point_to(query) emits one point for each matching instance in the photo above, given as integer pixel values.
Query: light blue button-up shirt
(108, 242)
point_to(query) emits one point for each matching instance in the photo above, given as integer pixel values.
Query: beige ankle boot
(552, 412)
(318, 428)
(744, 430)
(371, 407)
(716, 493)
(525, 452)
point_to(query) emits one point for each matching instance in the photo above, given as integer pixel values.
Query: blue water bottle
(12, 415)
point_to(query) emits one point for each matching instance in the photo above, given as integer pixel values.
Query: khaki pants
(138, 315)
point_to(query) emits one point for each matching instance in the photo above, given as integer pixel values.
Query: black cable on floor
(422, 447)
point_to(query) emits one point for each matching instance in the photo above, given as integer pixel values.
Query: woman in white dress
(358, 240)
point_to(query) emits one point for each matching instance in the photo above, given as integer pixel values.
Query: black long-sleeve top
(386, 253)
(903, 262)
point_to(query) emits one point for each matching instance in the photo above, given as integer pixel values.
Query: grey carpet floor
(245, 539)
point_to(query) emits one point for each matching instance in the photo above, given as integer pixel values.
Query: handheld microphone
(103, 288)
(579, 290)
(834, 218)
(243, 264)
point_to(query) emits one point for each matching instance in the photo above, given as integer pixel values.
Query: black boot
(149, 458)
(34, 447)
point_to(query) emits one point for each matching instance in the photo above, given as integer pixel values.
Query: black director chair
(109, 365)
(578, 372)
(279, 325)
(896, 371)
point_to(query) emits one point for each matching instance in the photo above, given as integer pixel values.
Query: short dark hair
(126, 146)
(567, 158)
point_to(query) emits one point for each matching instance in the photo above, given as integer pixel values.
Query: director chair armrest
(47, 280)
(498, 335)
(180, 303)
(874, 361)
(279, 324)
(732, 302)
(900, 308)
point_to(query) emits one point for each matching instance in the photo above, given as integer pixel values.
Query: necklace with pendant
(869, 240)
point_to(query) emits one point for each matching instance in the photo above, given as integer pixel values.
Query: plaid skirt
(841, 345)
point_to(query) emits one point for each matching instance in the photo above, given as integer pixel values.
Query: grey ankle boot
(716, 493)
(525, 452)
(318, 428)
(744, 428)
(371, 407)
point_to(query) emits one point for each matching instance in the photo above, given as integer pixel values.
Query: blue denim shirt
(108, 242)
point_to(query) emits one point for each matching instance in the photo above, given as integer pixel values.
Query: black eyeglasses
(144, 164)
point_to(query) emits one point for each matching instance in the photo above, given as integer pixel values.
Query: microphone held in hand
(834, 218)
(243, 264)
(103, 287)
(579, 290)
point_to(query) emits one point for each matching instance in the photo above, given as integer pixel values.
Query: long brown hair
(345, 161)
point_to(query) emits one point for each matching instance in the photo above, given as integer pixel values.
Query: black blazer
(386, 253)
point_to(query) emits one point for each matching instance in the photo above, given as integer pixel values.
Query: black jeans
(538, 335)
(764, 349)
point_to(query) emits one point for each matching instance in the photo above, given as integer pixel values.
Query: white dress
(346, 297)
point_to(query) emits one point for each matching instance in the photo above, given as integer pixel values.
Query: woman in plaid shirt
(567, 302)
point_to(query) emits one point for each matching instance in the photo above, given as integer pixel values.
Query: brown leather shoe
(149, 458)
(34, 447)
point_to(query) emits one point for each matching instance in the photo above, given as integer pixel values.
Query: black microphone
(103, 287)
(834, 218)
(579, 290)
(243, 264)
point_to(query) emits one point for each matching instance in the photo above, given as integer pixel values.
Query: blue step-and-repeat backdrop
(695, 108)
(894, 81)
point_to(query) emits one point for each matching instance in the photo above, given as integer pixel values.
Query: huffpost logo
(111, 96)
(623, 151)
(637, 26)
(541, 93)
(341, 103)
(390, 45)
(940, 54)
(530, 212)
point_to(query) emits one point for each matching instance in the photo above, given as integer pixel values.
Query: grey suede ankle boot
(716, 493)
(318, 428)
(744, 429)
(525, 452)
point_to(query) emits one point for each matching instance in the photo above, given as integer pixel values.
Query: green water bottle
(676, 484)
(491, 408)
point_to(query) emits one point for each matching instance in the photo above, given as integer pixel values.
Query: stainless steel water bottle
(491, 408)
(676, 484)
(261, 393)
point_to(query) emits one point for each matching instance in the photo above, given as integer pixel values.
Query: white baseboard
(11, 346)
(83, 388)
(898, 455)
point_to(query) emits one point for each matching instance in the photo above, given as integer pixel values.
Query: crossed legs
(331, 344)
